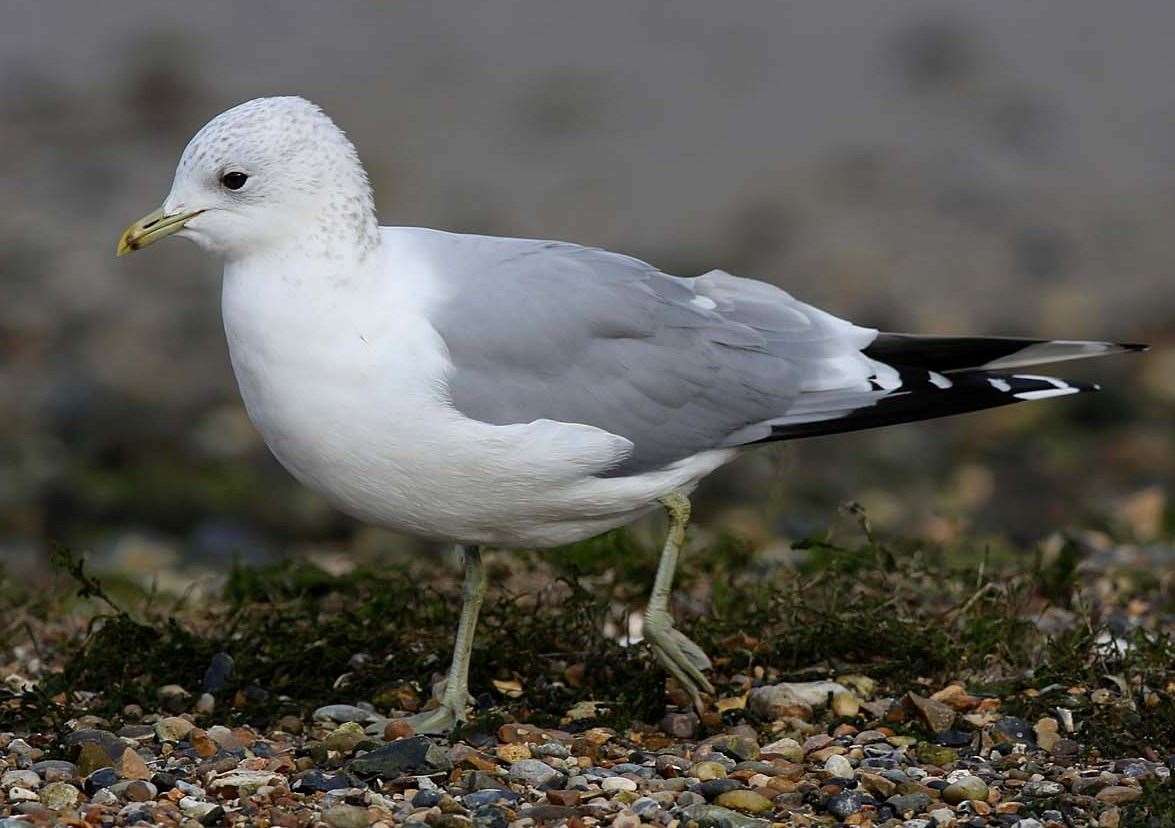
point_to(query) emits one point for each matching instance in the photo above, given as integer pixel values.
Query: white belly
(355, 409)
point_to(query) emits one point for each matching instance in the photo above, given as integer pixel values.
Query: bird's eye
(234, 180)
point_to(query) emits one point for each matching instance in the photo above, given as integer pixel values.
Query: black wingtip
(1133, 346)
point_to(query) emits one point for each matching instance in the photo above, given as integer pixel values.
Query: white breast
(347, 385)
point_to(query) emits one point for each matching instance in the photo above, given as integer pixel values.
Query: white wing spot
(939, 381)
(1046, 393)
(1053, 381)
(703, 302)
(1001, 385)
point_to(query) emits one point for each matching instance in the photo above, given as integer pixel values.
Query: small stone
(942, 817)
(21, 778)
(626, 819)
(1011, 729)
(131, 766)
(346, 816)
(134, 790)
(738, 747)
(533, 772)
(491, 816)
(99, 779)
(909, 804)
(92, 756)
(936, 715)
(346, 737)
(789, 749)
(59, 796)
(241, 782)
(55, 770)
(846, 705)
(618, 783)
(220, 670)
(937, 755)
(843, 805)
(714, 788)
(645, 807)
(206, 704)
(341, 713)
(554, 749)
(226, 739)
(413, 756)
(878, 785)
(839, 767)
(513, 752)
(1047, 733)
(680, 725)
(1042, 790)
(715, 816)
(964, 789)
(567, 799)
(398, 729)
(707, 770)
(1110, 818)
(214, 817)
(1118, 794)
(173, 729)
(173, 698)
(748, 802)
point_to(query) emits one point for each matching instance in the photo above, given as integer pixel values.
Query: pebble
(839, 767)
(1042, 789)
(22, 778)
(173, 729)
(58, 796)
(746, 801)
(788, 748)
(618, 783)
(843, 805)
(1118, 794)
(417, 755)
(346, 816)
(715, 816)
(342, 713)
(533, 772)
(964, 789)
(707, 770)
(345, 738)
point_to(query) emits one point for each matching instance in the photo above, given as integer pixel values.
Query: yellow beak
(151, 228)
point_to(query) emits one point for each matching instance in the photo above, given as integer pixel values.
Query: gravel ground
(824, 752)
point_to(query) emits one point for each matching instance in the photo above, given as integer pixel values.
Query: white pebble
(839, 766)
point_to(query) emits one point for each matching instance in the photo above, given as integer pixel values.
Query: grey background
(950, 167)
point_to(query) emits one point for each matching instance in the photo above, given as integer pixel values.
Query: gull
(518, 393)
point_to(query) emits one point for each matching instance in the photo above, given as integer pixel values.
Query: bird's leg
(451, 711)
(681, 657)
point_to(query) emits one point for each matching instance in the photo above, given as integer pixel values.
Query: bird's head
(271, 173)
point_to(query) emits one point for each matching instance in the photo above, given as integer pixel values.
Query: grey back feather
(550, 330)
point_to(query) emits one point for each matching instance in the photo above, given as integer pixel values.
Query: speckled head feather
(305, 187)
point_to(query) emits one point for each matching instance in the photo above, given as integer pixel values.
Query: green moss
(1155, 809)
(897, 611)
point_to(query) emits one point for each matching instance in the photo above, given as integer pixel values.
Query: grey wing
(549, 330)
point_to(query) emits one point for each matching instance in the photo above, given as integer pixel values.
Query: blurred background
(948, 167)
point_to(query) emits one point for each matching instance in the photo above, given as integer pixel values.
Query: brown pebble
(512, 752)
(131, 766)
(568, 799)
(202, 743)
(398, 729)
(1118, 794)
